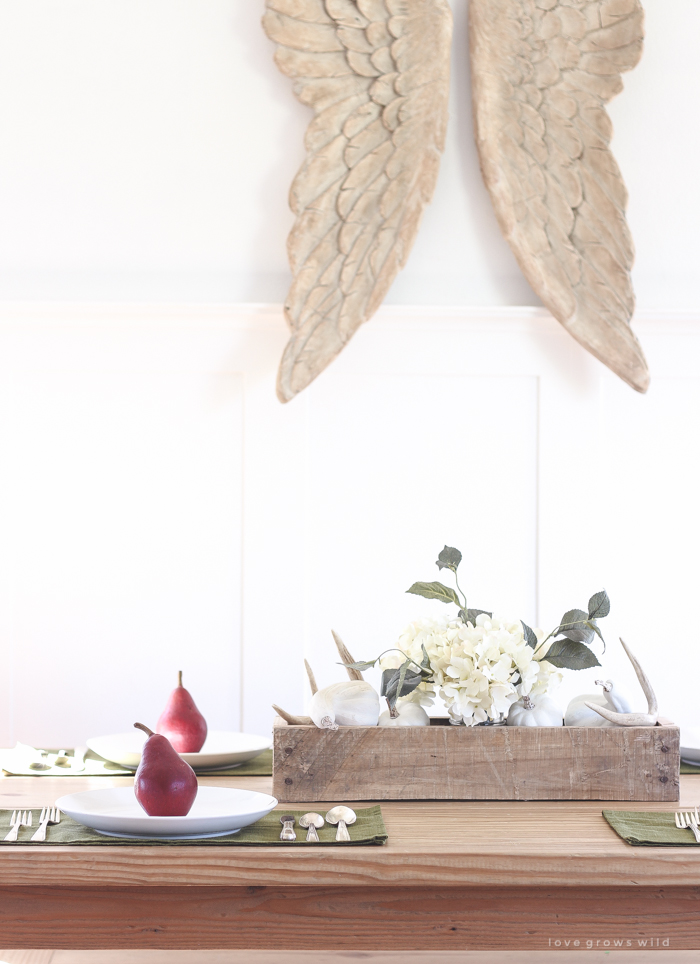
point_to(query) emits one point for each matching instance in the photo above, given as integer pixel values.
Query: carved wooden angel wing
(376, 73)
(542, 72)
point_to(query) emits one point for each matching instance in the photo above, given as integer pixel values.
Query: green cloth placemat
(261, 766)
(689, 768)
(368, 829)
(649, 828)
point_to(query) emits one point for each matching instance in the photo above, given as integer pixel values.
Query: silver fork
(17, 820)
(685, 820)
(50, 816)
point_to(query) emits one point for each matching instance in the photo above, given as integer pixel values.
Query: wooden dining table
(453, 876)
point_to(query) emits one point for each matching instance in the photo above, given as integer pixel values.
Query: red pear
(182, 722)
(164, 785)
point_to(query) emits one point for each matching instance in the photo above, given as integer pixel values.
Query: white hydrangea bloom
(479, 671)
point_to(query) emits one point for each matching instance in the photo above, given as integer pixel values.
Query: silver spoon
(343, 816)
(311, 822)
(78, 761)
(41, 763)
(287, 822)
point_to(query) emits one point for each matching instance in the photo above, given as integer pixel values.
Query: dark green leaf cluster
(401, 681)
(570, 649)
(404, 680)
(449, 558)
(576, 631)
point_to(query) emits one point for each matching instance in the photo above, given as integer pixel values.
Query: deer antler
(346, 657)
(312, 678)
(633, 719)
(291, 719)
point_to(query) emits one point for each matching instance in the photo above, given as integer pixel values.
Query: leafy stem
(555, 632)
(570, 650)
(459, 590)
(371, 663)
(539, 647)
(401, 681)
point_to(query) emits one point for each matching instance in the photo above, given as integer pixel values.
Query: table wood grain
(443, 762)
(563, 844)
(662, 956)
(453, 876)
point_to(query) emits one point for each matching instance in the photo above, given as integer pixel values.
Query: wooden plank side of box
(476, 763)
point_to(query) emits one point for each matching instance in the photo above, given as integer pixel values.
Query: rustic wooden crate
(444, 762)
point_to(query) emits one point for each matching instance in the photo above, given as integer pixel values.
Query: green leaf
(402, 678)
(596, 629)
(469, 615)
(530, 637)
(389, 676)
(598, 606)
(449, 559)
(567, 654)
(425, 662)
(579, 635)
(434, 590)
(399, 682)
(575, 626)
(572, 617)
(362, 665)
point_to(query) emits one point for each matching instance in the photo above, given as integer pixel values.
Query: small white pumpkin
(409, 714)
(350, 703)
(535, 711)
(578, 714)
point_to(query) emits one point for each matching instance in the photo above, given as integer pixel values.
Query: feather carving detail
(376, 73)
(542, 73)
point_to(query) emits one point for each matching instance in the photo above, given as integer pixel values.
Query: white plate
(178, 836)
(221, 749)
(216, 810)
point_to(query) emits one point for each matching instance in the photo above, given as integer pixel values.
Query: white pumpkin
(409, 714)
(535, 711)
(578, 714)
(350, 703)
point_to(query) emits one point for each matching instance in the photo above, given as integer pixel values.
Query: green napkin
(689, 768)
(368, 829)
(649, 828)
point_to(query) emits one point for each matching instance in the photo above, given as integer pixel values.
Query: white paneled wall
(148, 148)
(160, 510)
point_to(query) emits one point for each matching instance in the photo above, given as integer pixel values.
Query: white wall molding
(242, 314)
(160, 509)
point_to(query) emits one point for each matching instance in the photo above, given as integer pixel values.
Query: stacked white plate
(221, 750)
(690, 744)
(216, 812)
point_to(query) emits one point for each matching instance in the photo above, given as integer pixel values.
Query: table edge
(285, 867)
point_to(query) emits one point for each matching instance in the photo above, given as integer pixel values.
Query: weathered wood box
(444, 762)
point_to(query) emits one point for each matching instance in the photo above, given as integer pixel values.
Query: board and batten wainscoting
(161, 510)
